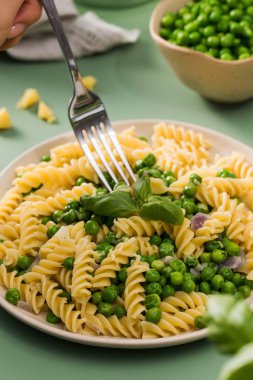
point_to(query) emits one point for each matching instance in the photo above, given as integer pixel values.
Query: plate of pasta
(133, 268)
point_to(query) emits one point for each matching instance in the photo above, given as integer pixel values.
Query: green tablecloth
(134, 82)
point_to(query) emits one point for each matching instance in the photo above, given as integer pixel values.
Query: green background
(135, 82)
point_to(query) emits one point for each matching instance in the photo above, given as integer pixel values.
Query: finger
(10, 43)
(29, 13)
(8, 12)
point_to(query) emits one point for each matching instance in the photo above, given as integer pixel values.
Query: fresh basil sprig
(142, 189)
(115, 204)
(162, 209)
(123, 204)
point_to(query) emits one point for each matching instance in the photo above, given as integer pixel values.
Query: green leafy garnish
(230, 323)
(33, 189)
(162, 208)
(115, 204)
(142, 189)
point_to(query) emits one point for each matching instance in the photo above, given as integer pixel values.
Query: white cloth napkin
(87, 34)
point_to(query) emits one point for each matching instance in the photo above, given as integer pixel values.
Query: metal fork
(87, 113)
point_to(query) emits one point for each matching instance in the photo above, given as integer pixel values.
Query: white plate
(222, 144)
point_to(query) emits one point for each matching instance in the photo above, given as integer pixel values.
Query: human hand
(15, 17)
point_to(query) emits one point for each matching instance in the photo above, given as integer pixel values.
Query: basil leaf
(230, 323)
(162, 209)
(115, 204)
(142, 189)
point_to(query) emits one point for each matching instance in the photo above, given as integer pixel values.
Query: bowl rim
(161, 41)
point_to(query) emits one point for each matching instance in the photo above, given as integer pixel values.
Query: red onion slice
(233, 262)
(198, 221)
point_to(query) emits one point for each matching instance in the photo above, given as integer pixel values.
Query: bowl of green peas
(209, 45)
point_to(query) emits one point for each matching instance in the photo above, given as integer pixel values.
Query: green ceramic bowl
(112, 3)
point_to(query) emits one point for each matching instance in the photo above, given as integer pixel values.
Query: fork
(87, 113)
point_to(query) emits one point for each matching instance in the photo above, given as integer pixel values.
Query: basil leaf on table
(230, 323)
(162, 209)
(115, 204)
(142, 189)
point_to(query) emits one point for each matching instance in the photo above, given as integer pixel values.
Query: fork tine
(93, 138)
(119, 150)
(107, 147)
(91, 159)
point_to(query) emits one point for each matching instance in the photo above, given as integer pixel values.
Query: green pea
(158, 265)
(154, 288)
(238, 296)
(189, 206)
(110, 238)
(45, 159)
(207, 274)
(195, 179)
(179, 24)
(80, 181)
(155, 173)
(152, 275)
(45, 220)
(110, 293)
(217, 282)
(104, 247)
(24, 262)
(149, 160)
(169, 180)
(245, 290)
(191, 261)
(210, 246)
(231, 247)
(68, 263)
(163, 280)
(223, 26)
(190, 190)
(169, 173)
(96, 298)
(92, 227)
(226, 57)
(226, 273)
(194, 38)
(150, 259)
(176, 278)
(167, 291)
(218, 256)
(121, 288)
(105, 308)
(156, 240)
(57, 216)
(138, 165)
(228, 287)
(52, 231)
(178, 265)
(168, 20)
(215, 16)
(248, 282)
(69, 216)
(182, 38)
(166, 249)
(123, 274)
(119, 311)
(101, 191)
(201, 48)
(152, 300)
(237, 279)
(200, 322)
(188, 286)
(224, 173)
(213, 41)
(12, 296)
(153, 315)
(202, 207)
(167, 271)
(67, 295)
(227, 40)
(83, 215)
(72, 205)
(204, 287)
(52, 318)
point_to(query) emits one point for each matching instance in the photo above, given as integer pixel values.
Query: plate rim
(107, 341)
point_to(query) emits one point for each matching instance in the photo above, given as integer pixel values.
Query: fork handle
(56, 24)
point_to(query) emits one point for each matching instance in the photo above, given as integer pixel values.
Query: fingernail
(16, 30)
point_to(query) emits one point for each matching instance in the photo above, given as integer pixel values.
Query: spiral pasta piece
(135, 226)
